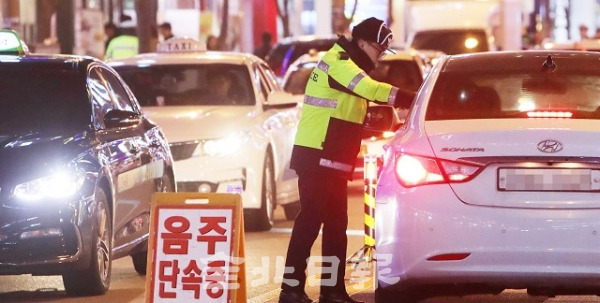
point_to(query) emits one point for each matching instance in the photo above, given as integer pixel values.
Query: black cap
(374, 30)
(165, 25)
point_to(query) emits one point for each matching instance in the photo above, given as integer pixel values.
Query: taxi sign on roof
(11, 43)
(181, 45)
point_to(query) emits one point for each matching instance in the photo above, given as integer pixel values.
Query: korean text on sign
(193, 254)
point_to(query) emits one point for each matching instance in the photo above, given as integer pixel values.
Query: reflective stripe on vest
(335, 165)
(320, 102)
(355, 81)
(323, 66)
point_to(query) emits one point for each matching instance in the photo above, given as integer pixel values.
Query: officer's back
(123, 46)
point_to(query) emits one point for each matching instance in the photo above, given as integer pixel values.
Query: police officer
(325, 150)
(122, 46)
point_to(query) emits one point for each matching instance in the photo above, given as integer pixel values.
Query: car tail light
(549, 114)
(449, 257)
(413, 170)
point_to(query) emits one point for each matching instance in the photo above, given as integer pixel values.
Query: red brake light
(414, 170)
(449, 257)
(549, 114)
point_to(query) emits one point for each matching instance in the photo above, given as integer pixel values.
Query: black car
(80, 164)
(286, 51)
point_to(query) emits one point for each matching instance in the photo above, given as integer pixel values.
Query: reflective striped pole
(367, 252)
(370, 178)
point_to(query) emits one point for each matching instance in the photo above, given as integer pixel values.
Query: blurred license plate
(548, 179)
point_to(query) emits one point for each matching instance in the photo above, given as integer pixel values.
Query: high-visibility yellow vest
(123, 46)
(332, 119)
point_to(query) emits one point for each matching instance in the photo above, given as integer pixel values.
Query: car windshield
(297, 79)
(41, 100)
(452, 41)
(497, 94)
(400, 73)
(193, 84)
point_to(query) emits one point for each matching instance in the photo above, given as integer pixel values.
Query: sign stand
(196, 249)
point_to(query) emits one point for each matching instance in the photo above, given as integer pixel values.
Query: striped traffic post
(367, 252)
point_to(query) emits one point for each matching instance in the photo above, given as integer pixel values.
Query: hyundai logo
(549, 146)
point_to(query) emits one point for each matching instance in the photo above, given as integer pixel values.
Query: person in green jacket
(122, 46)
(325, 149)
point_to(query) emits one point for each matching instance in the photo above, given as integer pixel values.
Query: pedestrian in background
(583, 31)
(212, 42)
(125, 45)
(166, 31)
(325, 150)
(265, 46)
(110, 31)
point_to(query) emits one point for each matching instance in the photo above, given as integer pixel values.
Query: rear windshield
(34, 99)
(493, 94)
(452, 42)
(199, 84)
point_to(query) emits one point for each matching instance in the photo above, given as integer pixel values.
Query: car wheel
(291, 210)
(140, 262)
(95, 279)
(262, 219)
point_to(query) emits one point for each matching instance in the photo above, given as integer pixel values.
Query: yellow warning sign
(196, 249)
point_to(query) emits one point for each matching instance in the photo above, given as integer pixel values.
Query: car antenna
(549, 64)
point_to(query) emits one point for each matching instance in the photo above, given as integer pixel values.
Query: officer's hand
(404, 98)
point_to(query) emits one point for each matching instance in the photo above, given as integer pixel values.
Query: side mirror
(120, 118)
(279, 100)
(381, 118)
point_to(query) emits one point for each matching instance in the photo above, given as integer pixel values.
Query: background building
(76, 26)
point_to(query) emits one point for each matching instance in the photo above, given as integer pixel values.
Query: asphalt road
(265, 253)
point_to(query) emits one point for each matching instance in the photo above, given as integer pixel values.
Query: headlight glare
(224, 146)
(59, 185)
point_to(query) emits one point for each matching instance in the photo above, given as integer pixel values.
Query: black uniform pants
(324, 201)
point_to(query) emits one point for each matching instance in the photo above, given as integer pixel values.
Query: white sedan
(494, 180)
(229, 123)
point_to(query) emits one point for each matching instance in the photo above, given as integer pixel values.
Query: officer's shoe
(337, 297)
(291, 296)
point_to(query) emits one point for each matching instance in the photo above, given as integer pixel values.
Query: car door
(281, 123)
(127, 153)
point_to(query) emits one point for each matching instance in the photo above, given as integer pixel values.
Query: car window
(493, 94)
(270, 77)
(266, 80)
(122, 100)
(297, 78)
(260, 82)
(193, 84)
(100, 97)
(39, 99)
(452, 42)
